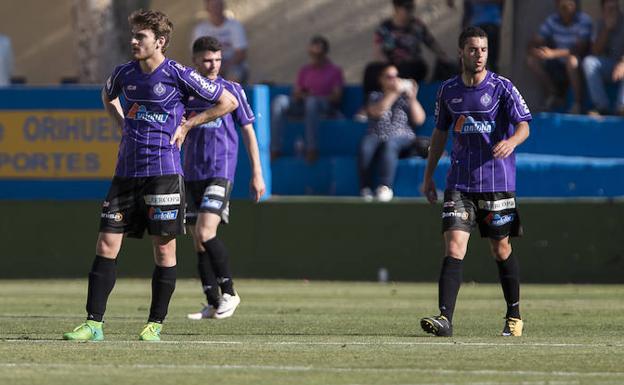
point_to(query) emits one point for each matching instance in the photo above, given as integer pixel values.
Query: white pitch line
(355, 343)
(280, 368)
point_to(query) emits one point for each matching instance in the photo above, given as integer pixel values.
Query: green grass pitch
(325, 333)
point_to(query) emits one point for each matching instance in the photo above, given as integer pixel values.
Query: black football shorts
(155, 203)
(208, 196)
(495, 213)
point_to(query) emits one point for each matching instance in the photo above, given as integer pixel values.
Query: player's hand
(618, 71)
(179, 135)
(503, 149)
(257, 187)
(429, 190)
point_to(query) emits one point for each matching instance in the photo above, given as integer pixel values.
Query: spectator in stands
(231, 35)
(556, 51)
(487, 15)
(606, 64)
(392, 112)
(6, 61)
(399, 40)
(317, 93)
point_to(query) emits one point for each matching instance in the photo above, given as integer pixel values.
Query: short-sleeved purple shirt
(211, 149)
(153, 108)
(480, 117)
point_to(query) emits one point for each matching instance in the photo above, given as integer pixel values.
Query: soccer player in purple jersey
(489, 119)
(210, 154)
(145, 96)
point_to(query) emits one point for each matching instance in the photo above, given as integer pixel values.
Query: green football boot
(151, 332)
(88, 331)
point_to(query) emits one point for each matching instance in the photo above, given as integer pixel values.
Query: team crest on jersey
(140, 112)
(468, 125)
(159, 89)
(486, 100)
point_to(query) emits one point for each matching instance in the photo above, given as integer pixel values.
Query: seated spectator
(556, 51)
(231, 35)
(606, 64)
(6, 61)
(317, 93)
(391, 112)
(399, 40)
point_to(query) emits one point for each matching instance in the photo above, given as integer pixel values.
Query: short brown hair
(206, 43)
(155, 21)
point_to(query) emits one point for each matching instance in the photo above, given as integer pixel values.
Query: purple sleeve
(243, 114)
(113, 84)
(515, 106)
(193, 84)
(442, 116)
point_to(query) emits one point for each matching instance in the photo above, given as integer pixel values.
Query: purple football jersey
(480, 117)
(153, 108)
(211, 149)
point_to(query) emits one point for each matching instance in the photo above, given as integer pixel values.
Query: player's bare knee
(206, 233)
(501, 250)
(108, 245)
(164, 251)
(456, 250)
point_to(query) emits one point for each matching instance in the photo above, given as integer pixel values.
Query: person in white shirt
(231, 35)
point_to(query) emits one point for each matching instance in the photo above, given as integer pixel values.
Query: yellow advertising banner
(58, 144)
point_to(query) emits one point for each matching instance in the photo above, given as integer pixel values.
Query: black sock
(448, 285)
(101, 282)
(163, 285)
(220, 264)
(509, 274)
(208, 279)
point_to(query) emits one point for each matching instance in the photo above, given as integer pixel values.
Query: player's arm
(436, 149)
(225, 104)
(256, 184)
(113, 108)
(506, 147)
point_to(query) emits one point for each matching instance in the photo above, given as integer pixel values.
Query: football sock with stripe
(448, 285)
(509, 274)
(220, 264)
(208, 278)
(163, 285)
(101, 282)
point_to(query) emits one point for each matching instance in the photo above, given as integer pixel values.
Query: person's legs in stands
(388, 161)
(597, 69)
(368, 148)
(574, 76)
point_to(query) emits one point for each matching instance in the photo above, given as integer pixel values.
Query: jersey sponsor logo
(498, 220)
(140, 112)
(157, 214)
(486, 100)
(463, 215)
(162, 199)
(211, 203)
(159, 89)
(215, 190)
(467, 125)
(456, 100)
(203, 82)
(117, 217)
(502, 204)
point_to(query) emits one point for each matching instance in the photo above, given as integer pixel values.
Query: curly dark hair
(155, 21)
